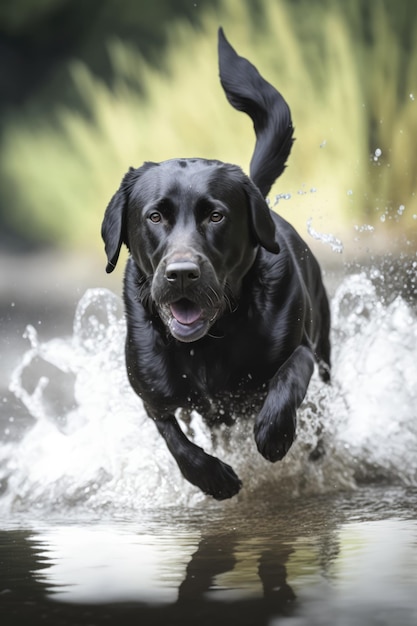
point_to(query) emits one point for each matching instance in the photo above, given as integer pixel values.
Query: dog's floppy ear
(113, 229)
(263, 225)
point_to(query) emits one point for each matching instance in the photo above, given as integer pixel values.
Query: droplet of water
(364, 228)
(335, 244)
(281, 196)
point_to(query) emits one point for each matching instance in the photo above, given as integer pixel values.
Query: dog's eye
(155, 217)
(216, 217)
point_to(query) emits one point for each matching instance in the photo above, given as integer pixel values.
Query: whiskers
(229, 303)
(213, 298)
(225, 301)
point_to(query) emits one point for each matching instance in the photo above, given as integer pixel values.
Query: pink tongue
(185, 311)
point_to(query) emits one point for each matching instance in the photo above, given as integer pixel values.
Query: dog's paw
(212, 476)
(274, 436)
(220, 480)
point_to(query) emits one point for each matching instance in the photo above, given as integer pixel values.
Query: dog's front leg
(211, 475)
(276, 421)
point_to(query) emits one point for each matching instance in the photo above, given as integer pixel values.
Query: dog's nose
(182, 273)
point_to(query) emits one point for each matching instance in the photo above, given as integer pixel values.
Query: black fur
(225, 303)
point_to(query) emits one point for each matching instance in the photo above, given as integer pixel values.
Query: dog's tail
(247, 91)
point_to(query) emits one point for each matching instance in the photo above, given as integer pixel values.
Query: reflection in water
(225, 569)
(105, 565)
(310, 564)
(95, 565)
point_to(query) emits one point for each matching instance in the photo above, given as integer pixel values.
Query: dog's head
(193, 228)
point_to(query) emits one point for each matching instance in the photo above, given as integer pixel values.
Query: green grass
(337, 85)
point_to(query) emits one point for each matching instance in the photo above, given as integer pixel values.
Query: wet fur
(252, 282)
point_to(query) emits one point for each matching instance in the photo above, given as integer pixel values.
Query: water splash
(92, 447)
(327, 238)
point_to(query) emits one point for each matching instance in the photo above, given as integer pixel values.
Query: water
(350, 559)
(335, 244)
(98, 524)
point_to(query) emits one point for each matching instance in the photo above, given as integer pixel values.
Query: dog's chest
(217, 391)
(227, 407)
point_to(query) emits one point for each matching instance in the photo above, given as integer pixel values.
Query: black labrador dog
(226, 310)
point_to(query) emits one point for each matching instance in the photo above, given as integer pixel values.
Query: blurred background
(91, 88)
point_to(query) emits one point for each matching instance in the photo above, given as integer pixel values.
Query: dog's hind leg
(211, 475)
(276, 422)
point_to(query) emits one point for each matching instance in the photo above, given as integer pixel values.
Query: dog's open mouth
(187, 320)
(185, 312)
